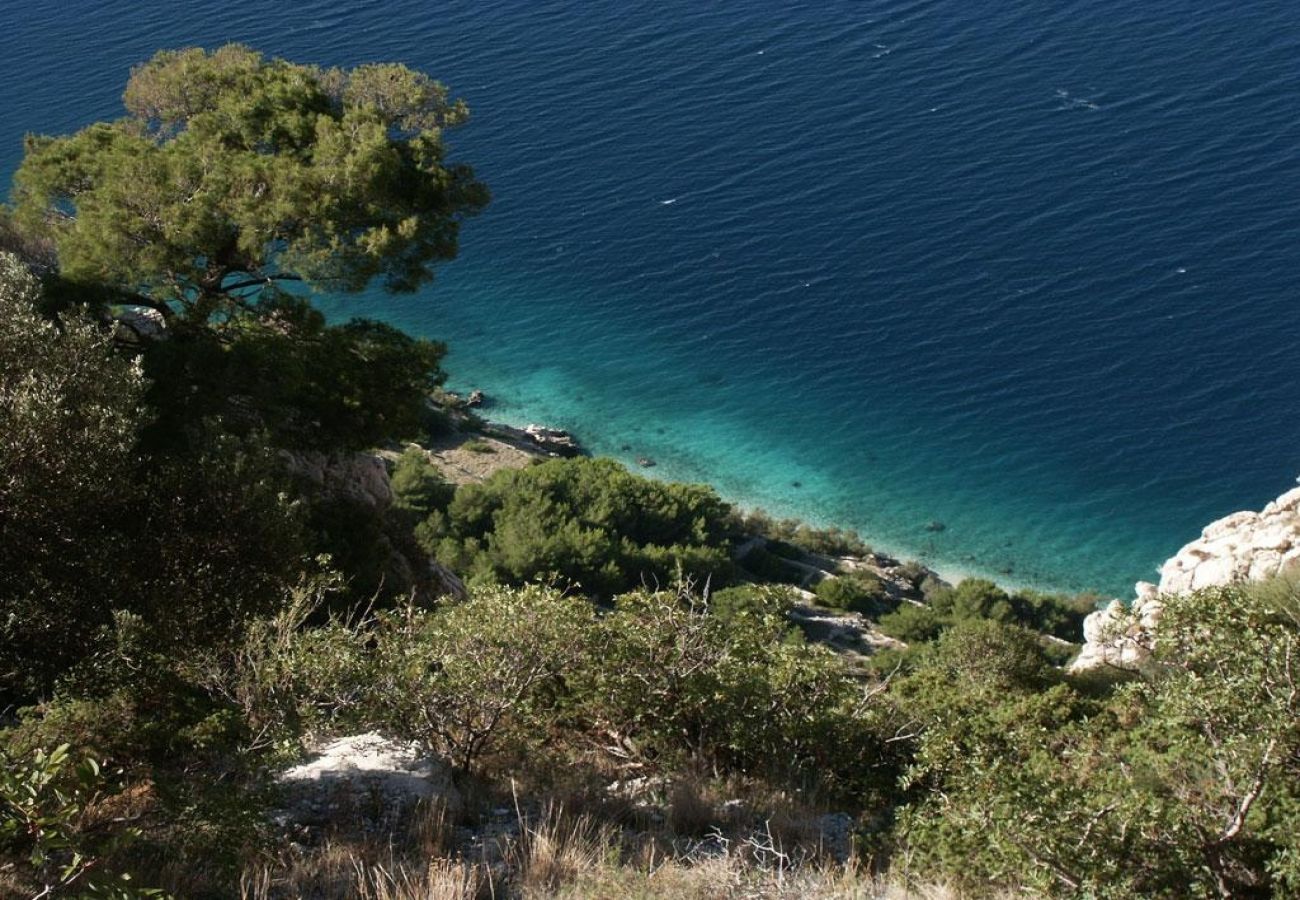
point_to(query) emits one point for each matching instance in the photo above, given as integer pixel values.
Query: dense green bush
(678, 683)
(418, 487)
(751, 600)
(462, 679)
(833, 541)
(976, 600)
(588, 522)
(858, 591)
(764, 565)
(911, 623)
(90, 525)
(1181, 783)
(287, 374)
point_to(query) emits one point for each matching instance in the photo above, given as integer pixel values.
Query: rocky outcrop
(446, 583)
(1245, 546)
(553, 440)
(137, 323)
(1121, 636)
(360, 477)
(363, 777)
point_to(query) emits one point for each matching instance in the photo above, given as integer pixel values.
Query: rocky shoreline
(1243, 546)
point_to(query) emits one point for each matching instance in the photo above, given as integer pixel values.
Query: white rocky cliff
(1245, 546)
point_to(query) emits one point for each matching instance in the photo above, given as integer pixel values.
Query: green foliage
(44, 799)
(288, 680)
(589, 522)
(993, 654)
(976, 600)
(765, 565)
(748, 600)
(912, 623)
(1179, 784)
(418, 487)
(68, 420)
(90, 526)
(913, 573)
(859, 591)
(13, 242)
(288, 376)
(460, 679)
(232, 173)
(832, 542)
(674, 682)
(973, 598)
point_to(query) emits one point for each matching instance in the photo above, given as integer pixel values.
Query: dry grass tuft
(559, 850)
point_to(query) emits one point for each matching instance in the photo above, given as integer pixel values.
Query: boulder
(137, 323)
(446, 583)
(835, 835)
(364, 778)
(360, 477)
(554, 441)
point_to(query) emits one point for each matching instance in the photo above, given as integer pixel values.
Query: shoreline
(474, 466)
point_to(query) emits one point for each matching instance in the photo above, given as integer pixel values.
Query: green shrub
(833, 541)
(1182, 782)
(90, 525)
(980, 600)
(912, 624)
(462, 679)
(418, 487)
(859, 591)
(44, 799)
(768, 566)
(588, 522)
(678, 683)
(751, 600)
(913, 572)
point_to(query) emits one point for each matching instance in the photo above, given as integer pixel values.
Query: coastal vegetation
(588, 523)
(223, 545)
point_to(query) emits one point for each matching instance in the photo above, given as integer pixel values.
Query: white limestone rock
(364, 776)
(1243, 546)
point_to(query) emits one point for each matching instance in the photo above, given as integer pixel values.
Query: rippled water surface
(1027, 269)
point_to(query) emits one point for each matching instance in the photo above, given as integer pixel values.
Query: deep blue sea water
(1028, 269)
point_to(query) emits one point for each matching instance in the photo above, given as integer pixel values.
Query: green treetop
(232, 173)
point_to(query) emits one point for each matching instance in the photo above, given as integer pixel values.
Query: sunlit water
(1025, 269)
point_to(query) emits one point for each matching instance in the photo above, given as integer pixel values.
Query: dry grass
(693, 837)
(338, 871)
(558, 854)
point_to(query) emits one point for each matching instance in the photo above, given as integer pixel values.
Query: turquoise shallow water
(1029, 271)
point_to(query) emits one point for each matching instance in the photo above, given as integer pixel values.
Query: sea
(1009, 287)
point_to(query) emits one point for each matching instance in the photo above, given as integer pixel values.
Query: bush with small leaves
(589, 523)
(462, 678)
(44, 803)
(673, 682)
(1180, 783)
(860, 592)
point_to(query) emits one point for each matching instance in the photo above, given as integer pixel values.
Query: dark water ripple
(1027, 269)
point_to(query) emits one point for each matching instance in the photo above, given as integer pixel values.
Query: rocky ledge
(1245, 546)
(553, 440)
